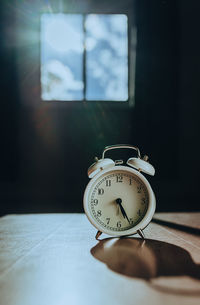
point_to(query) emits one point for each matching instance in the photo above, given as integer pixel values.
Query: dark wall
(47, 146)
(9, 103)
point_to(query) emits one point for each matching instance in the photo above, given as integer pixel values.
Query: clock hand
(123, 211)
(119, 201)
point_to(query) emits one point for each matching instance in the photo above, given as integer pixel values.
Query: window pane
(107, 57)
(62, 57)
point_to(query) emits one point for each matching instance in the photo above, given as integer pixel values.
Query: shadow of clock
(160, 263)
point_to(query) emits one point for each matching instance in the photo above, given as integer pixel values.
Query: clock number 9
(95, 201)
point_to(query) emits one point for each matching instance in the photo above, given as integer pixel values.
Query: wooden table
(54, 259)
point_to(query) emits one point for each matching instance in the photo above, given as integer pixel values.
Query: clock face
(117, 200)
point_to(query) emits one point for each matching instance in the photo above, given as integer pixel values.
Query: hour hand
(119, 202)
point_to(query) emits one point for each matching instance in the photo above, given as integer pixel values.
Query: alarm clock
(118, 199)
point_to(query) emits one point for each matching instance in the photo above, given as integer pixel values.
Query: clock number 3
(143, 201)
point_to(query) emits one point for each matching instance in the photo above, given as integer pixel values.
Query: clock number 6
(119, 224)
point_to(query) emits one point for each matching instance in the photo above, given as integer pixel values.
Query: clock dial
(118, 200)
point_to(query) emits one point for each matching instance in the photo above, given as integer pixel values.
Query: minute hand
(118, 201)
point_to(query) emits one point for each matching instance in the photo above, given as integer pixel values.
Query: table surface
(54, 259)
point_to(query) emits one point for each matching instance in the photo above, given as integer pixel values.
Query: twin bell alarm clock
(118, 199)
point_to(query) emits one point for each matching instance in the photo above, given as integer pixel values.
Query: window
(84, 57)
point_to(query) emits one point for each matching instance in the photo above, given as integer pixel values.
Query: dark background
(46, 147)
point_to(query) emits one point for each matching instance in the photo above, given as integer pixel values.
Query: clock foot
(141, 233)
(98, 234)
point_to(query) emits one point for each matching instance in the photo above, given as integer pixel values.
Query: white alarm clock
(119, 200)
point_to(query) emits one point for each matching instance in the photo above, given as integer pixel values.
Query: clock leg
(98, 234)
(141, 233)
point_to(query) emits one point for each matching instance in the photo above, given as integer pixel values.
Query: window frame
(132, 42)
